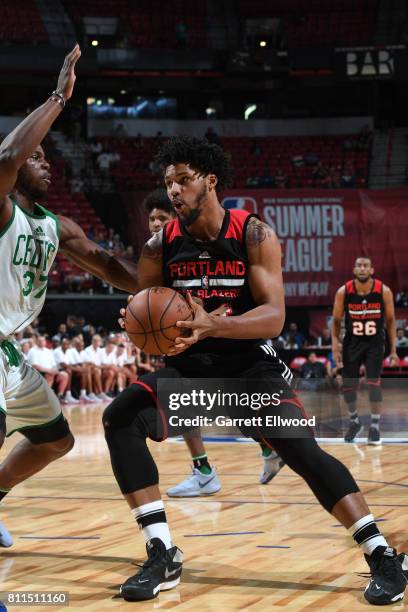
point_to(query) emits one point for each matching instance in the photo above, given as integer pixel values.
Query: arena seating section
(152, 23)
(147, 23)
(315, 23)
(20, 22)
(75, 206)
(274, 153)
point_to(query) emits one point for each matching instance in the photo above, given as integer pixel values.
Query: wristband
(59, 96)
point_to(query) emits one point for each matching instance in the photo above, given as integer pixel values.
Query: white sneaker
(91, 397)
(5, 537)
(272, 465)
(70, 398)
(102, 397)
(196, 484)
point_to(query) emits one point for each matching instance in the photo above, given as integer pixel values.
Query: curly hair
(199, 154)
(157, 199)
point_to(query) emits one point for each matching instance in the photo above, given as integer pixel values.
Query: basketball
(151, 316)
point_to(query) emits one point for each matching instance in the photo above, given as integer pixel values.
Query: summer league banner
(323, 231)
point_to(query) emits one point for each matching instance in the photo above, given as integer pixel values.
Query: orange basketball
(151, 316)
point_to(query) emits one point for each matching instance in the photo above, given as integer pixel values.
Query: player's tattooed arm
(257, 232)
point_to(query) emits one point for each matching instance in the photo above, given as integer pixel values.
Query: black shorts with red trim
(357, 352)
(145, 398)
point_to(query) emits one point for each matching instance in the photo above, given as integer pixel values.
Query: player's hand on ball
(122, 313)
(202, 326)
(67, 77)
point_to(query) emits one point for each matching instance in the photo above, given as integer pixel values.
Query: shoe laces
(385, 565)
(153, 554)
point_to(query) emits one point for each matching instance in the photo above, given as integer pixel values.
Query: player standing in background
(29, 239)
(367, 303)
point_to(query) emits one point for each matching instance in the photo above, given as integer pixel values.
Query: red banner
(322, 232)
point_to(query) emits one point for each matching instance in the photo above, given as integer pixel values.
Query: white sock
(83, 392)
(366, 534)
(151, 519)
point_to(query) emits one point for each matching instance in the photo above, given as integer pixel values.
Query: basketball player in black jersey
(204, 478)
(220, 255)
(367, 303)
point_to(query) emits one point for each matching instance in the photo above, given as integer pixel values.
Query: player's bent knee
(61, 447)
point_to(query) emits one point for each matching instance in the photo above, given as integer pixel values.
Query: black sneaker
(355, 427)
(374, 436)
(387, 584)
(160, 572)
(403, 559)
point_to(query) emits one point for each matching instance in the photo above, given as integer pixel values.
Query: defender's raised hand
(67, 77)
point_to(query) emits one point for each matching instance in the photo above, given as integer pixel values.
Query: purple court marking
(273, 546)
(201, 501)
(60, 537)
(230, 533)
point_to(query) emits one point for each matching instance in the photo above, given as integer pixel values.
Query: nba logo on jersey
(243, 203)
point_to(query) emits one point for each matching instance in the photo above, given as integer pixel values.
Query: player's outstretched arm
(338, 312)
(117, 271)
(22, 141)
(390, 323)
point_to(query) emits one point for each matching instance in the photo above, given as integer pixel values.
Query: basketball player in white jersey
(29, 239)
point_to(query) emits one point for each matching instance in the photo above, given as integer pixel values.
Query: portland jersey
(214, 271)
(364, 314)
(28, 245)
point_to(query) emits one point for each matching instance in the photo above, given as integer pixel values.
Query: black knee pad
(374, 391)
(328, 478)
(51, 432)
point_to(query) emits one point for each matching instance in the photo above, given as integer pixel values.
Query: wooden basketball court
(248, 547)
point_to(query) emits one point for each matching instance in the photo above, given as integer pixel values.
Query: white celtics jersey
(28, 245)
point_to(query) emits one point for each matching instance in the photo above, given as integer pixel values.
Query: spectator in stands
(125, 374)
(401, 299)
(253, 181)
(42, 359)
(313, 374)
(402, 340)
(181, 34)
(120, 132)
(129, 253)
(293, 337)
(109, 367)
(143, 363)
(138, 142)
(26, 344)
(267, 179)
(91, 356)
(212, 136)
(281, 179)
(311, 159)
(62, 359)
(321, 176)
(335, 177)
(365, 138)
(62, 331)
(324, 340)
(298, 161)
(256, 148)
(348, 177)
(80, 370)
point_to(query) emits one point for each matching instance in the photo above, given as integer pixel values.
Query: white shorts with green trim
(25, 397)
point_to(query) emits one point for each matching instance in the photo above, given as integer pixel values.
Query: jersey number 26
(364, 328)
